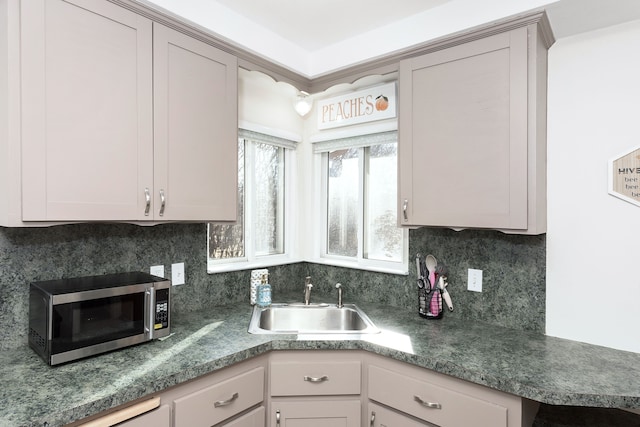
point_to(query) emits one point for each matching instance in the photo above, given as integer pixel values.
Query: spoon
(442, 272)
(431, 263)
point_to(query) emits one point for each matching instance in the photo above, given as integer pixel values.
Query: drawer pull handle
(278, 418)
(316, 379)
(431, 405)
(373, 418)
(229, 401)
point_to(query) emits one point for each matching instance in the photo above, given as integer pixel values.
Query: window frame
(321, 165)
(250, 260)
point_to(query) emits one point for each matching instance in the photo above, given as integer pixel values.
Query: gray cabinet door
(380, 416)
(87, 129)
(195, 129)
(463, 135)
(316, 413)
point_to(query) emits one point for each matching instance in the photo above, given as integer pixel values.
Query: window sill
(402, 270)
(213, 268)
(271, 261)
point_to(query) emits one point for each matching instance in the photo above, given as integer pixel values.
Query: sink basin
(310, 319)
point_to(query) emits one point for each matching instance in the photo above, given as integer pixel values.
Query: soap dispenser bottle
(264, 292)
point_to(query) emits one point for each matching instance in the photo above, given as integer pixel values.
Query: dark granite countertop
(546, 369)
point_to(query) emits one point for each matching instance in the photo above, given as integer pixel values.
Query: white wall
(593, 258)
(266, 106)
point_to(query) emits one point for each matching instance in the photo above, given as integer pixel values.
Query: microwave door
(87, 327)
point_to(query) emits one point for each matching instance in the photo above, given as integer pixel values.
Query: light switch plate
(474, 280)
(177, 274)
(157, 270)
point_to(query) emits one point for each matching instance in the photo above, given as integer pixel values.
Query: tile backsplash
(514, 270)
(513, 266)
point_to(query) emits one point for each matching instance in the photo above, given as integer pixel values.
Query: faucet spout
(339, 288)
(307, 290)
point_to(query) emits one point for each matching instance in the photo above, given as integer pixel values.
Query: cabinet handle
(150, 301)
(405, 205)
(229, 401)
(162, 200)
(373, 418)
(147, 199)
(427, 404)
(316, 379)
(278, 417)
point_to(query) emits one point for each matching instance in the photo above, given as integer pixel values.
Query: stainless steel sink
(310, 319)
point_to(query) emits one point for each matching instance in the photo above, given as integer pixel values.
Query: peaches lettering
(348, 109)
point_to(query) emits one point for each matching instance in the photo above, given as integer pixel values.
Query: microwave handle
(150, 311)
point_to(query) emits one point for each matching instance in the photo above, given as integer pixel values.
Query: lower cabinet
(231, 397)
(429, 402)
(315, 413)
(379, 416)
(315, 389)
(431, 398)
(323, 388)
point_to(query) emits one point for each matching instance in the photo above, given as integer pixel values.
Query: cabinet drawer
(315, 378)
(432, 403)
(157, 418)
(142, 414)
(382, 417)
(254, 418)
(214, 404)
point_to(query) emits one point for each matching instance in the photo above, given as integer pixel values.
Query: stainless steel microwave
(74, 318)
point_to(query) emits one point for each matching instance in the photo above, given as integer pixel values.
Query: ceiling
(317, 37)
(313, 25)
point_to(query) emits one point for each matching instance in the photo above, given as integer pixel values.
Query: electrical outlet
(157, 270)
(177, 274)
(474, 280)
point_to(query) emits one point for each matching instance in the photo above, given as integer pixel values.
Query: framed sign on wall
(374, 103)
(624, 176)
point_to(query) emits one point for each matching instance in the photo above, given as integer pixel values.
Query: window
(260, 237)
(359, 196)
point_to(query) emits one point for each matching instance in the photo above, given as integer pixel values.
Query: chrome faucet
(307, 290)
(339, 288)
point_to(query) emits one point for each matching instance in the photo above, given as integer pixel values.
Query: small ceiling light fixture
(302, 104)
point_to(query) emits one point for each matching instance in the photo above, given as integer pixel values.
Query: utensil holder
(430, 304)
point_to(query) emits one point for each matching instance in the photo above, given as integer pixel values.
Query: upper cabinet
(472, 130)
(195, 129)
(122, 119)
(87, 116)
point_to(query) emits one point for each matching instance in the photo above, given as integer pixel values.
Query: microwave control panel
(162, 309)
